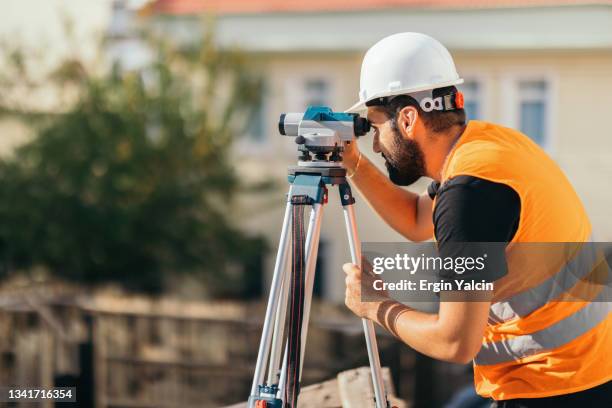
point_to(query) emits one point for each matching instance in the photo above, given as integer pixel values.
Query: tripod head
(322, 132)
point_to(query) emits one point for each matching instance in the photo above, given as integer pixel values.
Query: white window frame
(483, 94)
(510, 100)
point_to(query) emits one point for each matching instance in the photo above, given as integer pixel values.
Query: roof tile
(183, 7)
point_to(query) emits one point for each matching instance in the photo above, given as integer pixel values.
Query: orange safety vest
(536, 344)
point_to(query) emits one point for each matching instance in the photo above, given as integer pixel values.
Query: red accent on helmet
(459, 100)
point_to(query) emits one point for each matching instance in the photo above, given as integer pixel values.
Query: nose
(376, 143)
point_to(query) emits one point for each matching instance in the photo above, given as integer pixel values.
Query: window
(304, 89)
(255, 125)
(255, 131)
(316, 92)
(528, 103)
(533, 109)
(471, 90)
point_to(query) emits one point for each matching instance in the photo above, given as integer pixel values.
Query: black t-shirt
(470, 209)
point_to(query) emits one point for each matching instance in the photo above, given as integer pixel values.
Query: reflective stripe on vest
(524, 303)
(549, 338)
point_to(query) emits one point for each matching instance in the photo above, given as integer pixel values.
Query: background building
(544, 67)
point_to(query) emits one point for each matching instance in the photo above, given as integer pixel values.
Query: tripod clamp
(312, 182)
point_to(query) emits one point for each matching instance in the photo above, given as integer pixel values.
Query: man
(491, 184)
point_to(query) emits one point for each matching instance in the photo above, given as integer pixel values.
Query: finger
(351, 280)
(350, 268)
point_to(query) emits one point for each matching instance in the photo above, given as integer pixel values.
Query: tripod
(308, 187)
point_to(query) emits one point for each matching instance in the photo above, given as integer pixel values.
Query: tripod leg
(312, 249)
(264, 344)
(368, 326)
(283, 375)
(312, 246)
(279, 326)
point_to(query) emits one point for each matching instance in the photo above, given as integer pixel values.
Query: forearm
(453, 334)
(417, 329)
(403, 210)
(427, 333)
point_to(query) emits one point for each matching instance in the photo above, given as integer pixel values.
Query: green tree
(132, 181)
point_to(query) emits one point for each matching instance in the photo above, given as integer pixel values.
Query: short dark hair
(437, 121)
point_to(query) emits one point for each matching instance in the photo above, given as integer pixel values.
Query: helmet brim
(360, 106)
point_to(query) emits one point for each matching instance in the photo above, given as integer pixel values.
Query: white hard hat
(405, 63)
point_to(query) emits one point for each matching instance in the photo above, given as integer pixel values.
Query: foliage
(131, 182)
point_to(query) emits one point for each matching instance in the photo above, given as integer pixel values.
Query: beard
(405, 162)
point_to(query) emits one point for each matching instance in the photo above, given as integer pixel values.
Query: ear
(406, 121)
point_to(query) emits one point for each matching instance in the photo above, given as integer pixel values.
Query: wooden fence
(141, 352)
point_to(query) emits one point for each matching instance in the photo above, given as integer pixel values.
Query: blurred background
(142, 176)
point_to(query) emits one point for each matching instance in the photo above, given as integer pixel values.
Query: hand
(351, 154)
(355, 282)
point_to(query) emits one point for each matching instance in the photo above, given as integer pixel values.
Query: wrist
(352, 167)
(373, 310)
(377, 311)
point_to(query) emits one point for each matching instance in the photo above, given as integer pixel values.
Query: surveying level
(321, 132)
